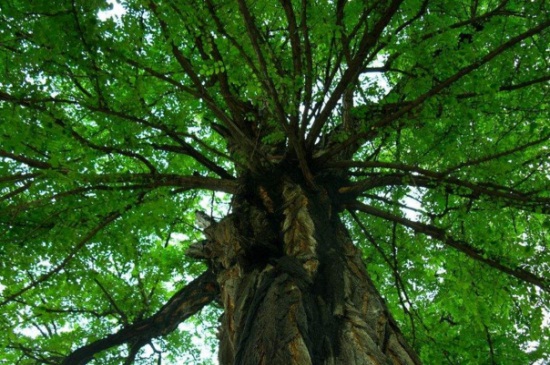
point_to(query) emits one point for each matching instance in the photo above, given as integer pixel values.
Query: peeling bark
(293, 286)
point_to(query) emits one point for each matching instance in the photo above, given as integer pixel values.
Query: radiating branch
(187, 149)
(158, 180)
(187, 67)
(460, 245)
(368, 40)
(409, 106)
(505, 195)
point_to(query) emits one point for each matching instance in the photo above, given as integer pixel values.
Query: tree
(345, 182)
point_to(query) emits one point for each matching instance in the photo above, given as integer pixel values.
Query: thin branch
(158, 180)
(463, 23)
(433, 174)
(418, 15)
(187, 67)
(400, 284)
(308, 53)
(490, 344)
(498, 155)
(122, 315)
(19, 177)
(295, 44)
(16, 192)
(106, 149)
(267, 82)
(297, 52)
(26, 160)
(504, 194)
(76, 248)
(509, 88)
(211, 149)
(221, 29)
(462, 246)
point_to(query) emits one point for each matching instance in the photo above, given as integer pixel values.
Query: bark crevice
(293, 286)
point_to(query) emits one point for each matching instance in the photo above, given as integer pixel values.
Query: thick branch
(181, 306)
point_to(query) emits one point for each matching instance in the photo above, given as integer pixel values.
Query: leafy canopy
(116, 127)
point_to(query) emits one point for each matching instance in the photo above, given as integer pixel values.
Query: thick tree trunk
(293, 286)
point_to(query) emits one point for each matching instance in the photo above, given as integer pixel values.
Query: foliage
(116, 126)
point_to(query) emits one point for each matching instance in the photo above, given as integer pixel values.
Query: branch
(292, 131)
(77, 247)
(26, 160)
(158, 180)
(187, 67)
(16, 192)
(187, 149)
(439, 175)
(462, 246)
(498, 155)
(431, 180)
(181, 306)
(294, 37)
(19, 177)
(112, 302)
(105, 149)
(267, 82)
(463, 23)
(434, 91)
(33, 104)
(521, 85)
(308, 53)
(349, 77)
(221, 30)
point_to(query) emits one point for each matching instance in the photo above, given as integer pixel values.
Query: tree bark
(293, 286)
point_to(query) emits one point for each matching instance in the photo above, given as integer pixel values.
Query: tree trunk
(293, 286)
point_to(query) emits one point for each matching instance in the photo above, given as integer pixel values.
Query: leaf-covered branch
(462, 246)
(409, 106)
(504, 195)
(157, 180)
(7, 298)
(368, 40)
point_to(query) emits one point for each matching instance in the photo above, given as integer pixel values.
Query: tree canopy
(431, 117)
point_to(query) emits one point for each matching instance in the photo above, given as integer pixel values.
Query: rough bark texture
(293, 286)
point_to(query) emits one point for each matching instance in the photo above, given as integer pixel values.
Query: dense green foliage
(116, 127)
